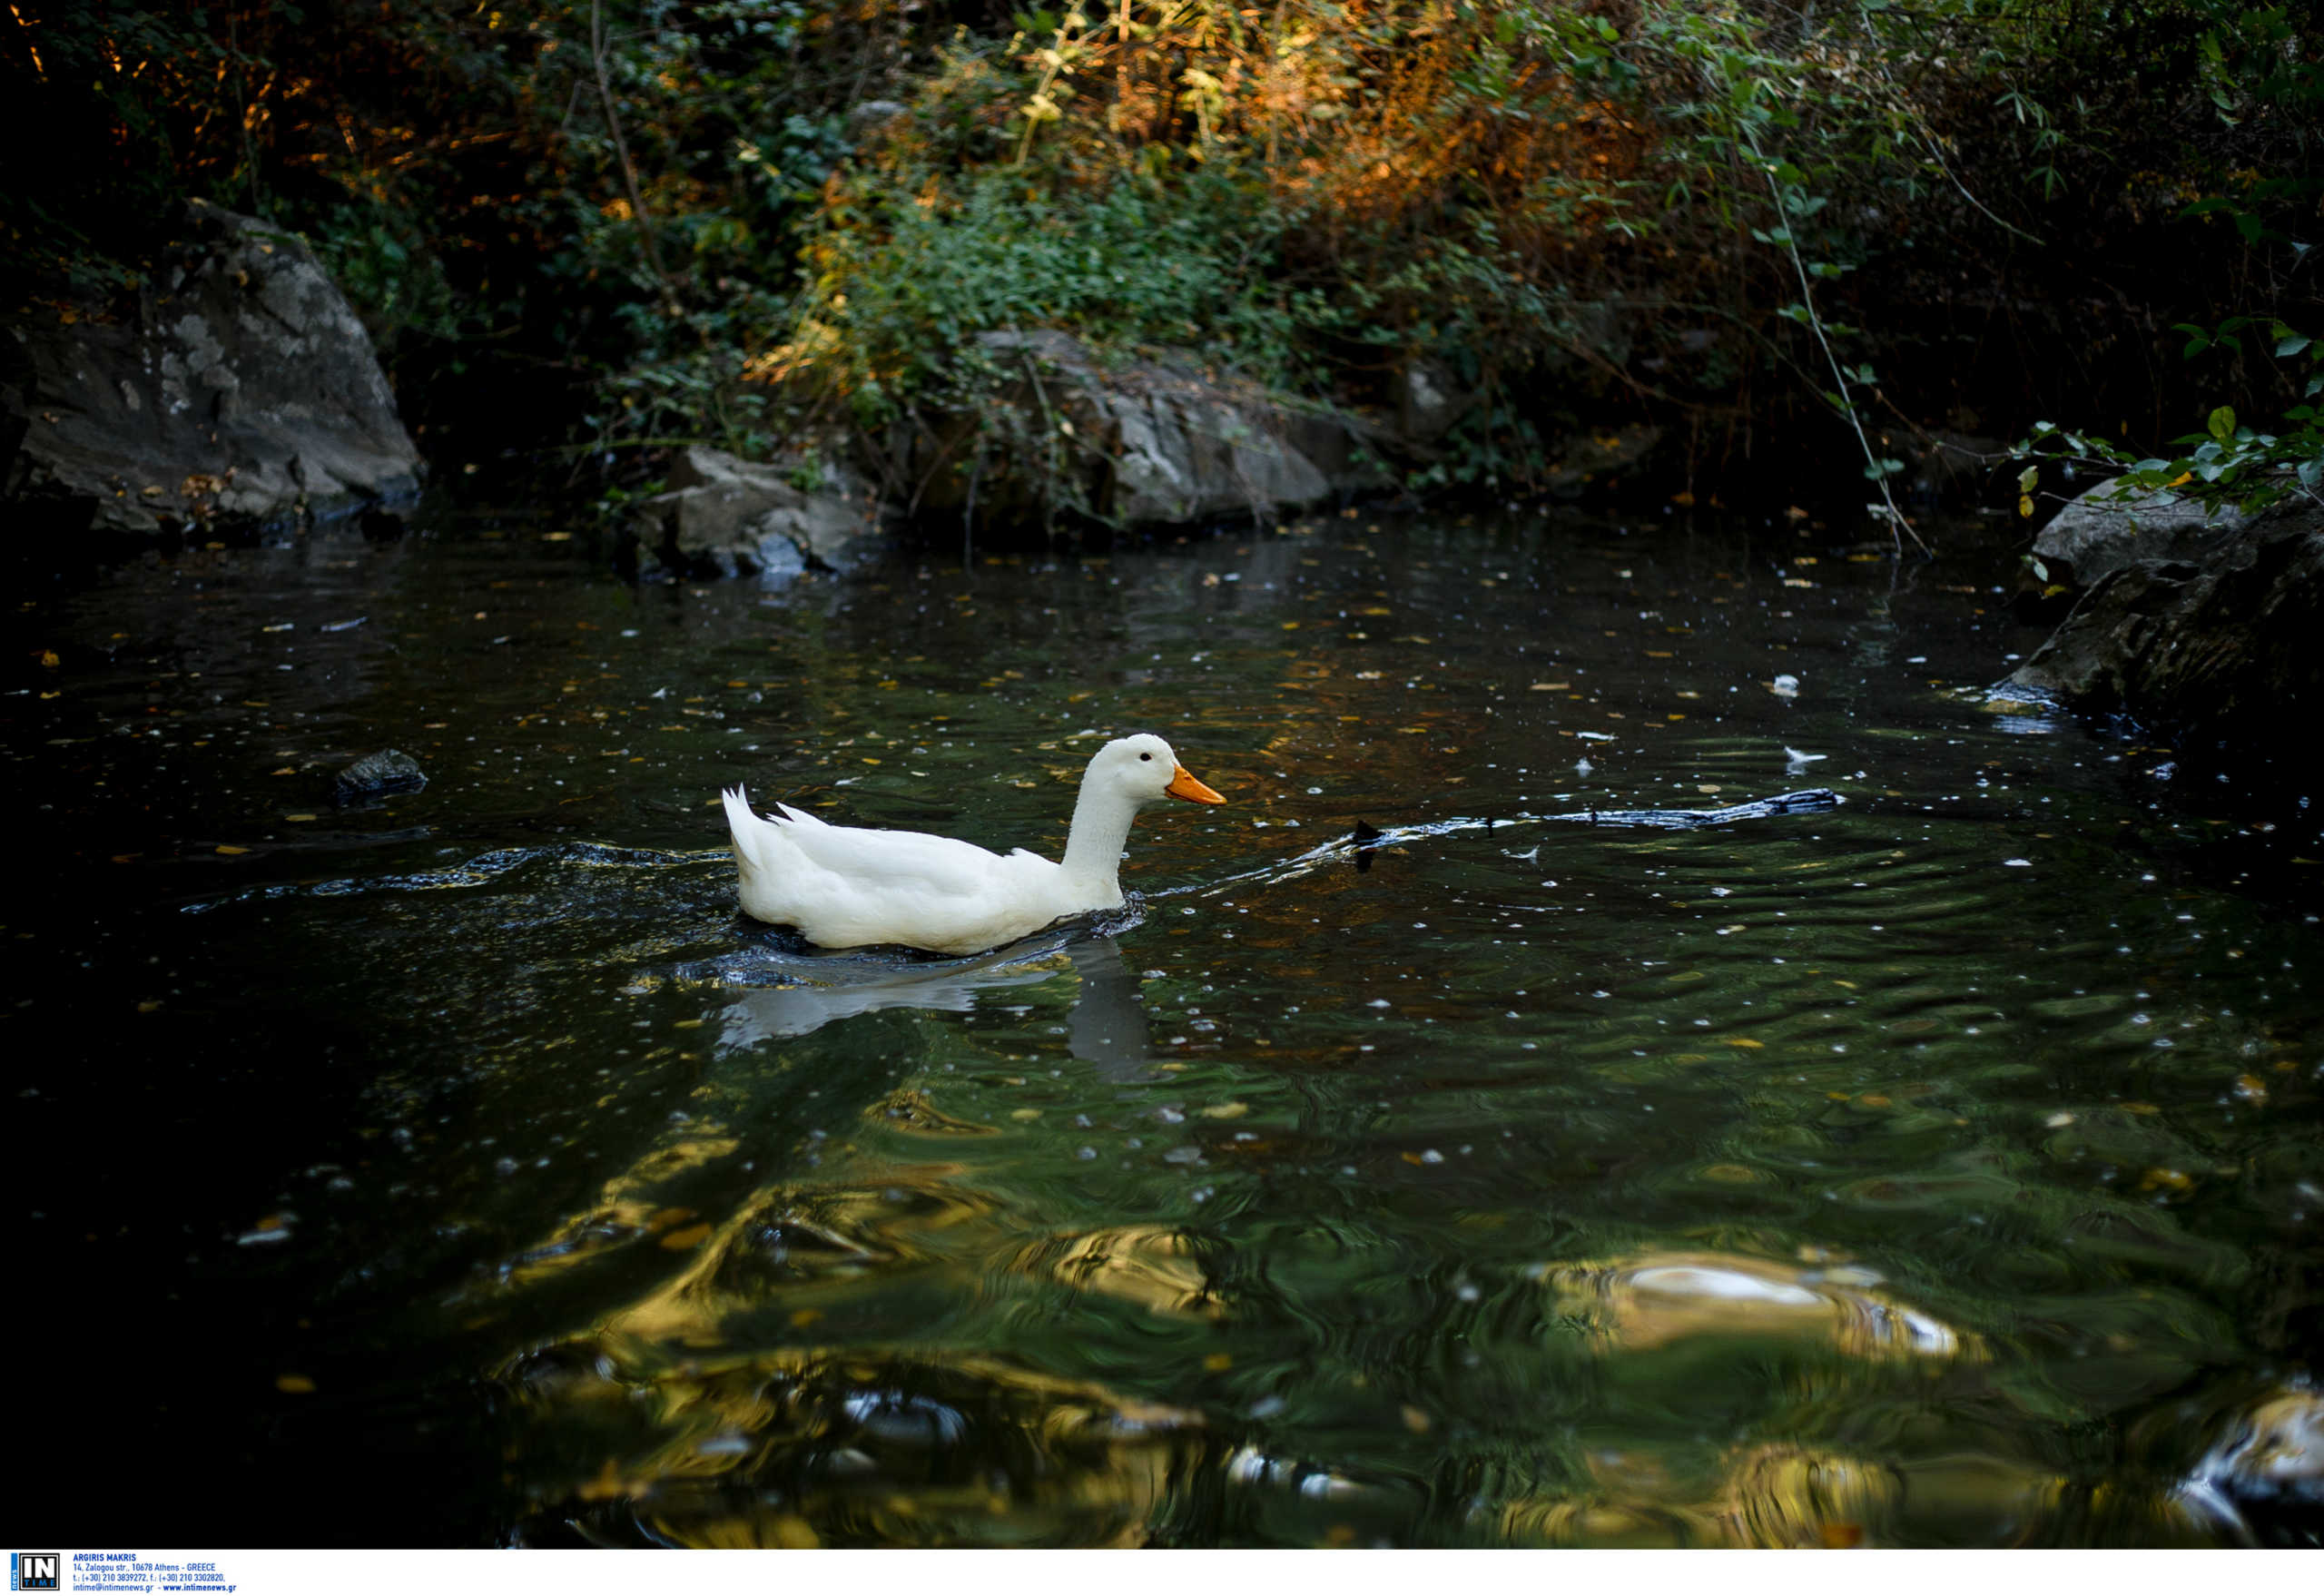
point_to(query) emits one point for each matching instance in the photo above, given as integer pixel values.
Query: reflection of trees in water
(700, 1420)
(786, 1377)
(845, 1448)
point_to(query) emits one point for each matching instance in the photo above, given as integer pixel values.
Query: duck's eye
(1145, 756)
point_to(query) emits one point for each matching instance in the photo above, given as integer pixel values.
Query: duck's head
(1143, 769)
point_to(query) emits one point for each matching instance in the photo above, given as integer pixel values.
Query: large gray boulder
(2201, 629)
(730, 517)
(1138, 443)
(238, 388)
(2098, 532)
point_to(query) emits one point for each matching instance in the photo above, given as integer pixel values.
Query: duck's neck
(1093, 848)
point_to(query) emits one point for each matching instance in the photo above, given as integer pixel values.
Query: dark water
(1941, 1170)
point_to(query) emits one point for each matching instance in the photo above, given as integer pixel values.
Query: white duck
(845, 887)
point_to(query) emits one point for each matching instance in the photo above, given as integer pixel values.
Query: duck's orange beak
(1183, 785)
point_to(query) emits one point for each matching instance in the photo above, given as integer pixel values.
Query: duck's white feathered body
(846, 887)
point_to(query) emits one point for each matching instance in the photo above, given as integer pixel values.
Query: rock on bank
(2202, 627)
(239, 387)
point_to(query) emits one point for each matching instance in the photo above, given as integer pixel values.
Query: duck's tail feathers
(744, 827)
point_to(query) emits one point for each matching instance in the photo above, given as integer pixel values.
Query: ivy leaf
(2222, 424)
(2292, 343)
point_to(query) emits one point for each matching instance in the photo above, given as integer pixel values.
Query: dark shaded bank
(791, 231)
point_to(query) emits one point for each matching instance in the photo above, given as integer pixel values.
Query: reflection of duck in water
(846, 887)
(1107, 1027)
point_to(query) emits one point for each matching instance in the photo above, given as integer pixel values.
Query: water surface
(459, 1169)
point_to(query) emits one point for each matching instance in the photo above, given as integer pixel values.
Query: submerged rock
(375, 775)
(2203, 628)
(732, 517)
(2264, 1479)
(239, 389)
(1638, 1305)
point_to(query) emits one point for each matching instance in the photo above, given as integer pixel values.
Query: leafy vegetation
(1771, 230)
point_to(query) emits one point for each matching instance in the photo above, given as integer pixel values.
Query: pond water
(1940, 1169)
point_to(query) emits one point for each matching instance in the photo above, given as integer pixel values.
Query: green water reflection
(1938, 1170)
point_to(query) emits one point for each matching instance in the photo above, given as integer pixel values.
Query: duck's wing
(877, 862)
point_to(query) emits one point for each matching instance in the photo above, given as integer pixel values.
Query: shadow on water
(1415, 1163)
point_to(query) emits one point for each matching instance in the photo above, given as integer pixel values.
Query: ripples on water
(1941, 1169)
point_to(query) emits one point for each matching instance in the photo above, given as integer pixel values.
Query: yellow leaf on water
(1742, 1041)
(294, 1384)
(1226, 1111)
(1218, 1361)
(230, 848)
(691, 1237)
